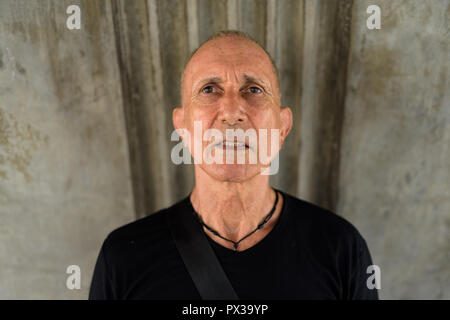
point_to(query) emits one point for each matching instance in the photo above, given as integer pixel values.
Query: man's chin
(231, 172)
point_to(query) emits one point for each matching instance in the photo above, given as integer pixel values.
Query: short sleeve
(102, 288)
(359, 287)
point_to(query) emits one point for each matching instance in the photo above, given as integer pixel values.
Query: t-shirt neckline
(263, 242)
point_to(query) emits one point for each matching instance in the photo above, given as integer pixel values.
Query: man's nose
(232, 110)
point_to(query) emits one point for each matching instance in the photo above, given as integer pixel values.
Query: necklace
(236, 243)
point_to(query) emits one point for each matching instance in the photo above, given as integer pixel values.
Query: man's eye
(208, 89)
(255, 90)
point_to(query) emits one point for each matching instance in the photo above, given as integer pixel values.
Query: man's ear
(286, 122)
(178, 120)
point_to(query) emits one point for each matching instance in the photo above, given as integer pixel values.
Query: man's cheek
(258, 106)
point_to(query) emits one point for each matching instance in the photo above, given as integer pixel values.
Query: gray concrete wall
(64, 169)
(395, 156)
(85, 126)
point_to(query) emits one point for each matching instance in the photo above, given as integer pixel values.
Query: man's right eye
(208, 89)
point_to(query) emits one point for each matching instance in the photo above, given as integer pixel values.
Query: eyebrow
(247, 79)
(208, 80)
(251, 79)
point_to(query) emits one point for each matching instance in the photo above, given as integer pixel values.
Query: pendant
(236, 246)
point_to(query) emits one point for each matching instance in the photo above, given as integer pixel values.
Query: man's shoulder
(139, 227)
(316, 220)
(149, 230)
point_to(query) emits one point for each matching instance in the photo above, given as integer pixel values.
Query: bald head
(235, 48)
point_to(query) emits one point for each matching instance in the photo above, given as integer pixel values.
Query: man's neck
(235, 209)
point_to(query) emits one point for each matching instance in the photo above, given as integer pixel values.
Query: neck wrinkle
(233, 212)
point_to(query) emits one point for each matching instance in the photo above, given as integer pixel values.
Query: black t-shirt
(311, 253)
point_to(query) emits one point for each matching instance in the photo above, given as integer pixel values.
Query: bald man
(270, 245)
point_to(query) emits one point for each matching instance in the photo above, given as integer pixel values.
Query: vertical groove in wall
(288, 57)
(232, 15)
(212, 17)
(174, 43)
(342, 37)
(192, 19)
(271, 39)
(116, 40)
(309, 110)
(252, 19)
(271, 47)
(138, 166)
(158, 110)
(327, 41)
(295, 103)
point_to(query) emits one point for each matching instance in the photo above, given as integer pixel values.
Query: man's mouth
(236, 145)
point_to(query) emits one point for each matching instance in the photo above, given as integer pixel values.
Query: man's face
(230, 84)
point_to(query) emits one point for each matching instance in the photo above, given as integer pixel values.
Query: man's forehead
(229, 48)
(215, 59)
(234, 55)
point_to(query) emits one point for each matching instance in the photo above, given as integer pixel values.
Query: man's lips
(231, 145)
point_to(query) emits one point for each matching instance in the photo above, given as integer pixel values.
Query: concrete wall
(395, 155)
(85, 126)
(64, 170)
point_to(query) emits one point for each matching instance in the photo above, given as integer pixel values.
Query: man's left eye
(255, 90)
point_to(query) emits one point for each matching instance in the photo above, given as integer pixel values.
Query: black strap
(198, 256)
